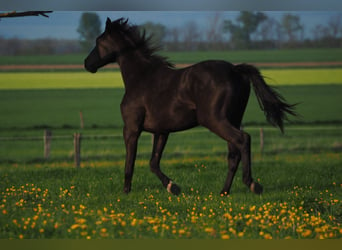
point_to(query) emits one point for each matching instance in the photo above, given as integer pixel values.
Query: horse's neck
(132, 67)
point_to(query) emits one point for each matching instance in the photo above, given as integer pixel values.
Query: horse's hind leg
(159, 142)
(246, 165)
(234, 158)
(240, 146)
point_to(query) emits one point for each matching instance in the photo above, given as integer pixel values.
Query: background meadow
(50, 198)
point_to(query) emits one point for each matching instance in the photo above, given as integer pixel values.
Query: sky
(63, 24)
(174, 5)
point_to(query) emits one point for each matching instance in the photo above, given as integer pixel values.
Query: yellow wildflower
(209, 230)
(267, 237)
(306, 233)
(84, 233)
(283, 211)
(81, 221)
(228, 216)
(225, 237)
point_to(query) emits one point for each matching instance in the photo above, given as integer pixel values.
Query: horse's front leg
(131, 141)
(159, 142)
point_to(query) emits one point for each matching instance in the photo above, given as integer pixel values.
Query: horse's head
(108, 46)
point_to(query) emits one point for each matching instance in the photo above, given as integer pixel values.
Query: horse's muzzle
(89, 67)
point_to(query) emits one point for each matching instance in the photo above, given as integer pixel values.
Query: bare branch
(25, 13)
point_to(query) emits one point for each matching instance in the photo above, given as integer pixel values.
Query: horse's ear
(108, 24)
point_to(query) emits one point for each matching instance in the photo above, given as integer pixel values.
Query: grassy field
(60, 80)
(59, 108)
(40, 198)
(112, 79)
(302, 197)
(51, 199)
(251, 56)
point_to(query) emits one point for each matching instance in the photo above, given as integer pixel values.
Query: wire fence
(88, 146)
(51, 147)
(76, 146)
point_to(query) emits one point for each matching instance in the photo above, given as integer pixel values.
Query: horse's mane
(141, 41)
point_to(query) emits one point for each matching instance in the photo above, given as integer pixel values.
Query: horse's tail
(271, 102)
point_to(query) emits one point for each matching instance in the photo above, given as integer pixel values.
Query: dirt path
(115, 66)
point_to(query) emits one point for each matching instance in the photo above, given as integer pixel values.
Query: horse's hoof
(127, 190)
(224, 193)
(256, 188)
(173, 188)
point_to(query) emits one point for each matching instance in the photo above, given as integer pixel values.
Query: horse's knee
(234, 156)
(233, 161)
(246, 140)
(154, 165)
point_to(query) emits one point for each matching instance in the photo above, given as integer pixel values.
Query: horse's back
(210, 78)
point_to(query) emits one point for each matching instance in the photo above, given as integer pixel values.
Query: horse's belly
(176, 121)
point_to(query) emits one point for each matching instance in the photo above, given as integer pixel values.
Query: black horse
(161, 99)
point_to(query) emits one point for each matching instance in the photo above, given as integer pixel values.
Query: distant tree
(292, 27)
(191, 35)
(247, 24)
(269, 33)
(214, 34)
(89, 28)
(329, 35)
(156, 31)
(173, 38)
(335, 25)
(268, 29)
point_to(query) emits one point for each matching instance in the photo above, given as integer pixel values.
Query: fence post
(47, 143)
(261, 140)
(81, 120)
(77, 149)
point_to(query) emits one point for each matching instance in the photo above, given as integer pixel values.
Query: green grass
(289, 55)
(302, 197)
(43, 59)
(60, 108)
(252, 56)
(300, 172)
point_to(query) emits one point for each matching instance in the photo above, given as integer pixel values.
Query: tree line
(250, 30)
